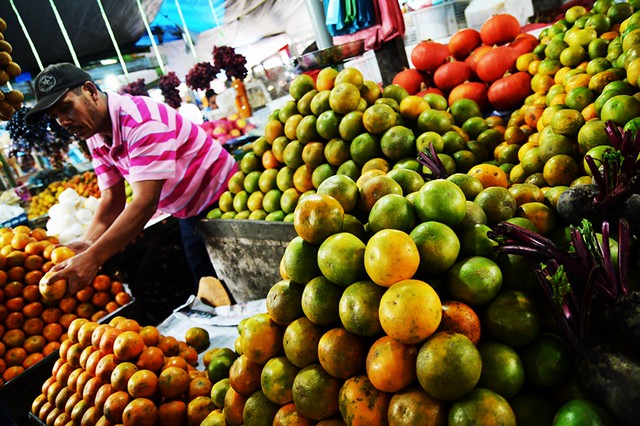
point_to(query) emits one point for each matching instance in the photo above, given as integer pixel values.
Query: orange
(391, 256)
(475, 280)
(258, 409)
(300, 342)
(244, 376)
(482, 405)
(438, 246)
(378, 118)
(336, 151)
(114, 406)
(344, 97)
(261, 338)
(448, 365)
(460, 318)
(284, 302)
(526, 193)
(391, 365)
(350, 75)
(120, 373)
(172, 412)
(341, 259)
(498, 204)
(197, 337)
(218, 391)
(61, 253)
(539, 214)
(442, 201)
(351, 125)
(560, 170)
(151, 359)
(358, 308)
(320, 300)
(199, 386)
(343, 189)
(489, 175)
(374, 188)
(143, 384)
(52, 291)
(502, 369)
(414, 301)
(277, 380)
(326, 78)
(300, 260)
(318, 216)
(361, 403)
(512, 318)
(288, 415)
(315, 393)
(413, 406)
(341, 353)
(168, 345)
(233, 407)
(140, 412)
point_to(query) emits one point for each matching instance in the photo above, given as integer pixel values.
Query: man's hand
(78, 246)
(79, 271)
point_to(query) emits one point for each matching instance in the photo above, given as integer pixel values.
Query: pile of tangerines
(33, 324)
(123, 373)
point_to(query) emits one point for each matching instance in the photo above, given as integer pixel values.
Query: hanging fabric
(389, 25)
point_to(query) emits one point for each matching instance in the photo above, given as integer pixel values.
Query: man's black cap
(51, 85)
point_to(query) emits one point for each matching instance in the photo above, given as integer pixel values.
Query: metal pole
(65, 35)
(26, 34)
(113, 40)
(150, 34)
(213, 12)
(186, 31)
(316, 13)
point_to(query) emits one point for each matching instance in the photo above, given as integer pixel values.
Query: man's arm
(82, 268)
(112, 202)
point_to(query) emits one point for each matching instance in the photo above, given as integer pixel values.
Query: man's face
(212, 102)
(77, 113)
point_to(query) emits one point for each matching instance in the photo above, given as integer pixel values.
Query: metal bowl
(330, 56)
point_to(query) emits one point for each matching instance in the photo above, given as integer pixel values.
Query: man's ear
(90, 87)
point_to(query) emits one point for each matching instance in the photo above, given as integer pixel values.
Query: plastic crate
(434, 22)
(17, 395)
(16, 221)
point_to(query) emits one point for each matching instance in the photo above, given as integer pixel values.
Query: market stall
(456, 246)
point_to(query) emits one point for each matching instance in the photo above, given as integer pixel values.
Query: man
(171, 164)
(211, 97)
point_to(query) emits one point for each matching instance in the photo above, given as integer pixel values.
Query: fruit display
(85, 185)
(125, 373)
(226, 129)
(466, 250)
(443, 268)
(10, 101)
(33, 325)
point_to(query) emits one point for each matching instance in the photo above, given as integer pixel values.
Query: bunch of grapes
(135, 88)
(233, 64)
(200, 76)
(45, 136)
(168, 85)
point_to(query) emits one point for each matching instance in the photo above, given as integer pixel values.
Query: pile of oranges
(123, 373)
(32, 326)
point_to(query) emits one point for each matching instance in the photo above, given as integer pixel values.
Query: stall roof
(253, 19)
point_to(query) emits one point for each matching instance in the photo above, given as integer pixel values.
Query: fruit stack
(32, 326)
(12, 100)
(400, 259)
(125, 373)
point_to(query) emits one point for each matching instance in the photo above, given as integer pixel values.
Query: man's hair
(209, 93)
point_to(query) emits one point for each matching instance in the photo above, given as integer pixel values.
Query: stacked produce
(125, 373)
(10, 101)
(226, 129)
(33, 325)
(85, 185)
(391, 280)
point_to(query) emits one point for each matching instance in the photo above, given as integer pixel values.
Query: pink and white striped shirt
(151, 141)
